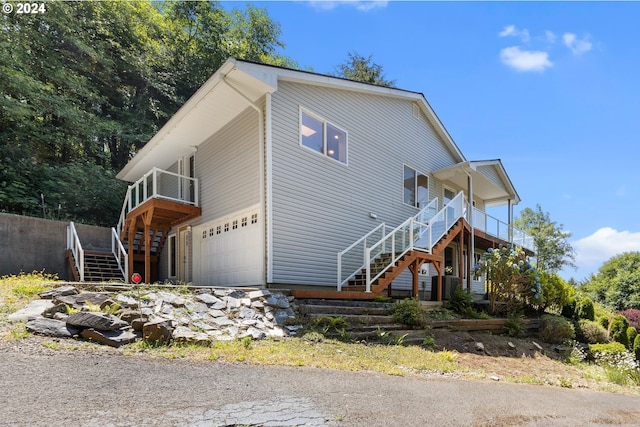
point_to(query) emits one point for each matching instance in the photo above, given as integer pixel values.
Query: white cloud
(550, 36)
(577, 46)
(512, 31)
(594, 250)
(363, 6)
(525, 60)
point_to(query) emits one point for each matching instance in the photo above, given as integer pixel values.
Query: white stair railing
(120, 253)
(353, 259)
(415, 233)
(73, 244)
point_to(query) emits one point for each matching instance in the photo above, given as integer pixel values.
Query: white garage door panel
(231, 251)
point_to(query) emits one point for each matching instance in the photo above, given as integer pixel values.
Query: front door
(184, 254)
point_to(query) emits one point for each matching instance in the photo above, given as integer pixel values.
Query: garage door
(231, 251)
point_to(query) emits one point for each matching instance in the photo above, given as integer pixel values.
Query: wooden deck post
(415, 269)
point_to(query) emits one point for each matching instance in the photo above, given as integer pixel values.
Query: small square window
(235, 224)
(204, 234)
(244, 221)
(219, 229)
(226, 227)
(211, 232)
(254, 218)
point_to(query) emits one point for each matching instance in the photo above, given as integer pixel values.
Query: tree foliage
(553, 251)
(617, 283)
(513, 282)
(363, 69)
(86, 84)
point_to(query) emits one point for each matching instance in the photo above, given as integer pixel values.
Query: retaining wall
(28, 244)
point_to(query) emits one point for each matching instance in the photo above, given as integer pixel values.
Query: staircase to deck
(420, 239)
(95, 265)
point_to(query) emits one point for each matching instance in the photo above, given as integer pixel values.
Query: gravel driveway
(45, 387)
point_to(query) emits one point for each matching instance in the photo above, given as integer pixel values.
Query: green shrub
(591, 332)
(409, 312)
(460, 301)
(514, 326)
(556, 329)
(584, 309)
(608, 349)
(604, 321)
(636, 347)
(618, 330)
(632, 333)
(556, 293)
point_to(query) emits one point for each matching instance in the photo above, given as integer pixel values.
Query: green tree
(363, 69)
(553, 249)
(86, 84)
(617, 283)
(513, 282)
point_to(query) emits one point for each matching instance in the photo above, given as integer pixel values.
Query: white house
(270, 176)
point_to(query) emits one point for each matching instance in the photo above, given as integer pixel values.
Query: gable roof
(490, 180)
(229, 91)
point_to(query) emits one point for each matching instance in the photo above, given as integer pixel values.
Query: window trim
(415, 186)
(325, 124)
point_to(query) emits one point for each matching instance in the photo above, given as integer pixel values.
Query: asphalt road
(75, 388)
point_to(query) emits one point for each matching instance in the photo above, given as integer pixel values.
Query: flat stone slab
(157, 331)
(59, 291)
(51, 327)
(110, 338)
(184, 334)
(95, 320)
(80, 300)
(34, 309)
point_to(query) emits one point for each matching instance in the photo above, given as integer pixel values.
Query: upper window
(416, 188)
(321, 136)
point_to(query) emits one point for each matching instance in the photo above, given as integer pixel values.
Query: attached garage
(229, 251)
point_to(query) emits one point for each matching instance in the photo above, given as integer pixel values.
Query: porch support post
(415, 268)
(510, 218)
(471, 249)
(147, 218)
(461, 254)
(438, 266)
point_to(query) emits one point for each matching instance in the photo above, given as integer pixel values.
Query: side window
(416, 188)
(323, 137)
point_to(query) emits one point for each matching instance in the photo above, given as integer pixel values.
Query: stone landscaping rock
(537, 346)
(50, 327)
(184, 334)
(110, 338)
(35, 309)
(277, 300)
(78, 301)
(58, 308)
(161, 316)
(479, 347)
(100, 321)
(158, 331)
(59, 291)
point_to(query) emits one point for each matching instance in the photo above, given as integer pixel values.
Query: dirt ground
(521, 362)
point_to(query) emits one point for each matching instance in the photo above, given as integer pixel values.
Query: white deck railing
(161, 185)
(420, 232)
(503, 231)
(73, 243)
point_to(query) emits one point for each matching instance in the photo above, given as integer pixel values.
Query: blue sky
(550, 88)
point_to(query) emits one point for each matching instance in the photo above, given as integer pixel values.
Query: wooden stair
(98, 267)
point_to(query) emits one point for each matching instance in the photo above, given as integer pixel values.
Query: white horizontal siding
(491, 174)
(321, 206)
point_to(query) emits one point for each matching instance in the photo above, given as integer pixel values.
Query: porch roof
(490, 180)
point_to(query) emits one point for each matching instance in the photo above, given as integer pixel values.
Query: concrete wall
(28, 244)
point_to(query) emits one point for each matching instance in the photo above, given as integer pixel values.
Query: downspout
(265, 164)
